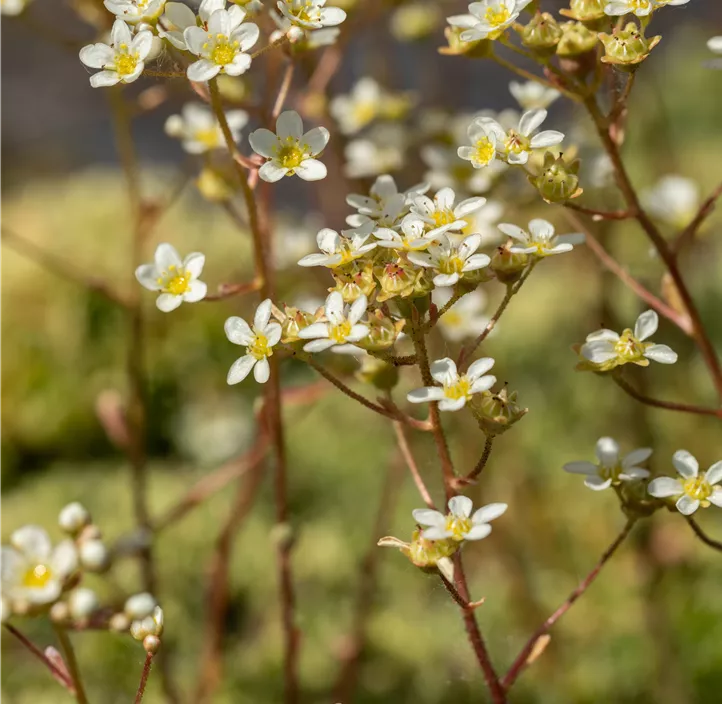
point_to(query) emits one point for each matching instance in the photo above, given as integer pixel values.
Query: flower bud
(119, 623)
(293, 320)
(576, 40)
(508, 266)
(542, 33)
(496, 413)
(378, 373)
(94, 555)
(59, 612)
(558, 181)
(351, 284)
(398, 278)
(628, 47)
(151, 644)
(82, 603)
(73, 518)
(456, 47)
(139, 606)
(383, 331)
(591, 12)
(424, 554)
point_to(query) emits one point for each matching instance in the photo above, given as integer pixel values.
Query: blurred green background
(648, 631)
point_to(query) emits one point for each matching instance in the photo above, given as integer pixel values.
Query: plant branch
(705, 210)
(283, 90)
(482, 460)
(408, 456)
(62, 677)
(522, 660)
(668, 405)
(144, 678)
(72, 664)
(715, 544)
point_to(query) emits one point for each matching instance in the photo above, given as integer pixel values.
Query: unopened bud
(558, 181)
(542, 33)
(576, 40)
(507, 265)
(73, 518)
(628, 47)
(82, 603)
(151, 644)
(94, 555)
(591, 12)
(496, 412)
(139, 606)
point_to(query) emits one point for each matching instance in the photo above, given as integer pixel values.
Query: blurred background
(647, 631)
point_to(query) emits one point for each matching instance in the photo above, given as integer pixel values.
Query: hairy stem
(72, 664)
(144, 678)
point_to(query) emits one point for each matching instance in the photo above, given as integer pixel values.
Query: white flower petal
(425, 394)
(478, 532)
(64, 560)
(428, 517)
(147, 276)
(272, 172)
(311, 170)
(636, 456)
(488, 513)
(263, 315)
(318, 345)
(686, 505)
(262, 371)
(315, 330)
(461, 506)
(646, 325)
(316, 140)
(32, 542)
(263, 142)
(167, 302)
(196, 292)
(661, 353)
(714, 474)
(663, 487)
(238, 331)
(597, 483)
(289, 124)
(581, 467)
(686, 464)
(202, 71)
(531, 120)
(607, 451)
(240, 369)
(548, 138)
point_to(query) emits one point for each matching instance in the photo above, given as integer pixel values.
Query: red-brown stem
(144, 678)
(668, 405)
(699, 332)
(408, 456)
(62, 677)
(283, 90)
(705, 210)
(600, 214)
(230, 290)
(521, 660)
(715, 544)
(264, 271)
(483, 459)
(679, 319)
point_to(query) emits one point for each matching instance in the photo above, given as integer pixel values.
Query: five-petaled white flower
(518, 143)
(385, 205)
(532, 95)
(34, 573)
(487, 138)
(693, 490)
(342, 326)
(452, 261)
(465, 318)
(640, 8)
(135, 11)
(175, 278)
(456, 389)
(492, 18)
(198, 128)
(338, 250)
(259, 341)
(540, 240)
(311, 14)
(178, 17)
(122, 59)
(673, 199)
(442, 211)
(221, 47)
(611, 469)
(459, 524)
(290, 151)
(606, 347)
(358, 108)
(414, 235)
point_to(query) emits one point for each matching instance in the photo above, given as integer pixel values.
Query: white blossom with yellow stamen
(487, 137)
(492, 19)
(340, 249)
(342, 325)
(693, 489)
(443, 211)
(451, 261)
(259, 341)
(175, 278)
(289, 151)
(517, 144)
(135, 11)
(311, 14)
(611, 469)
(122, 60)
(198, 128)
(459, 524)
(456, 389)
(540, 240)
(414, 235)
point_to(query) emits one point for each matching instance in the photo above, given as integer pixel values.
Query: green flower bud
(398, 278)
(628, 47)
(378, 373)
(508, 266)
(354, 281)
(383, 331)
(576, 40)
(293, 321)
(542, 33)
(591, 12)
(424, 554)
(558, 181)
(475, 50)
(496, 413)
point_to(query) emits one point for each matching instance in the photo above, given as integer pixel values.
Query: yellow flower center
(208, 137)
(37, 577)
(516, 143)
(175, 281)
(290, 155)
(363, 112)
(224, 51)
(451, 265)
(457, 526)
(484, 150)
(698, 488)
(460, 389)
(629, 348)
(610, 472)
(452, 319)
(639, 4)
(125, 63)
(260, 348)
(497, 17)
(443, 217)
(339, 333)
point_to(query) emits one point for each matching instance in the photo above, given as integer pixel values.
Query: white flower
(641, 8)
(150, 625)
(13, 8)
(221, 47)
(139, 606)
(135, 11)
(359, 108)
(532, 95)
(445, 171)
(607, 347)
(674, 200)
(456, 389)
(122, 59)
(198, 128)
(73, 517)
(465, 318)
(82, 602)
(385, 205)
(178, 17)
(382, 150)
(311, 14)
(342, 326)
(33, 572)
(492, 18)
(540, 240)
(715, 44)
(259, 341)
(692, 489)
(339, 249)
(487, 138)
(306, 38)
(517, 144)
(611, 469)
(176, 279)
(459, 524)
(451, 260)
(94, 556)
(290, 151)
(414, 235)
(442, 211)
